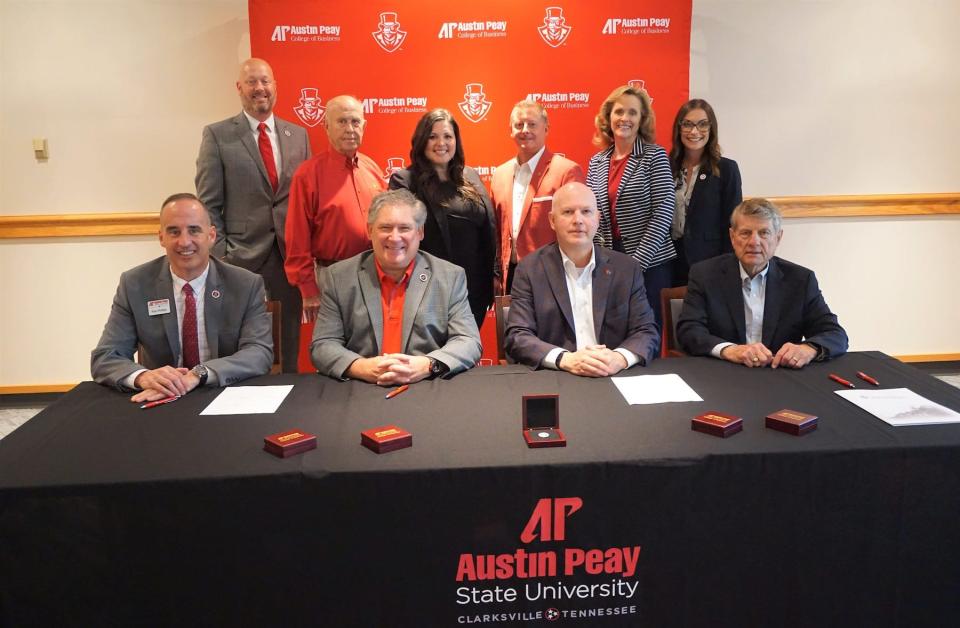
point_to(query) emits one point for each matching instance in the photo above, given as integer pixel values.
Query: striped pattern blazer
(645, 202)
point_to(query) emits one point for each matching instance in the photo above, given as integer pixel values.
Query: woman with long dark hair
(460, 227)
(707, 185)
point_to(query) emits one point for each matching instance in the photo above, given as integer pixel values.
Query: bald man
(329, 198)
(575, 306)
(243, 179)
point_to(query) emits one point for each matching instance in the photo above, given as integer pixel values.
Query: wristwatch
(560, 357)
(437, 368)
(202, 373)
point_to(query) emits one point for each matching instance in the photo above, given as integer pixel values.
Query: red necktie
(189, 342)
(266, 152)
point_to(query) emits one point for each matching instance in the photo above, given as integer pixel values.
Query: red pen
(159, 402)
(867, 378)
(396, 391)
(840, 380)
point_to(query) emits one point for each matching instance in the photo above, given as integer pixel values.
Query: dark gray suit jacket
(232, 183)
(436, 315)
(541, 317)
(235, 319)
(793, 311)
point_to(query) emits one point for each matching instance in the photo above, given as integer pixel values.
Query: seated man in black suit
(575, 306)
(198, 321)
(755, 309)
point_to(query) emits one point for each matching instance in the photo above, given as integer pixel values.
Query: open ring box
(541, 421)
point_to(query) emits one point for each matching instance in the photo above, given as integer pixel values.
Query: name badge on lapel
(159, 306)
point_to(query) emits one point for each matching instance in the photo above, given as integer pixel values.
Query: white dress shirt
(754, 297)
(271, 133)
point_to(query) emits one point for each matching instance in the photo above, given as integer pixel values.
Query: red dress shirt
(392, 296)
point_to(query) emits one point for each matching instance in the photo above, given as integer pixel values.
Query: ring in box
(541, 421)
(792, 422)
(717, 424)
(385, 439)
(289, 443)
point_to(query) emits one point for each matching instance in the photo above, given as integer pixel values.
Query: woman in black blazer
(460, 227)
(707, 189)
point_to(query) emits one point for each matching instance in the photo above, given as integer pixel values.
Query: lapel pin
(606, 271)
(286, 132)
(215, 294)
(423, 276)
(703, 176)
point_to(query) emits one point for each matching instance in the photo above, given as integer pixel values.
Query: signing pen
(867, 378)
(159, 402)
(396, 391)
(840, 380)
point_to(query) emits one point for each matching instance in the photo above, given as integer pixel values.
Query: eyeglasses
(687, 126)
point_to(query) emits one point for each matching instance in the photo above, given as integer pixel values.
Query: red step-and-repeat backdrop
(477, 59)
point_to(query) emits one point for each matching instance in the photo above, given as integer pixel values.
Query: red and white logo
(550, 517)
(394, 164)
(475, 105)
(554, 30)
(638, 84)
(310, 111)
(388, 34)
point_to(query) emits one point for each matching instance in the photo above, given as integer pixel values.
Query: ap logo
(554, 30)
(310, 110)
(475, 104)
(388, 34)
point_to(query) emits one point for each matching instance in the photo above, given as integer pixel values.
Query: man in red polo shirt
(329, 197)
(394, 315)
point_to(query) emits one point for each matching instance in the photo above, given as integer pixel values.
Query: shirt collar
(255, 124)
(744, 275)
(197, 284)
(385, 277)
(533, 161)
(570, 267)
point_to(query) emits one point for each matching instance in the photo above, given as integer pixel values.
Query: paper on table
(248, 400)
(900, 406)
(655, 389)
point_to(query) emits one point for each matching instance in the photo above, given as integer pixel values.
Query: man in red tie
(244, 170)
(194, 320)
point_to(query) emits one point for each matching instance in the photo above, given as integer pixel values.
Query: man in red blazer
(522, 188)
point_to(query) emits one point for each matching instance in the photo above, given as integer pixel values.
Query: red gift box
(792, 422)
(717, 424)
(289, 443)
(541, 421)
(385, 439)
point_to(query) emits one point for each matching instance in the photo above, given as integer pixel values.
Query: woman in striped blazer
(631, 179)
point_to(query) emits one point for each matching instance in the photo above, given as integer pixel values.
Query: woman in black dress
(460, 226)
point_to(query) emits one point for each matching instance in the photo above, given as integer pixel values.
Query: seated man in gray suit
(751, 308)
(198, 321)
(576, 306)
(394, 315)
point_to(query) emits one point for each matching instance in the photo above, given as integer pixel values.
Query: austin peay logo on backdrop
(388, 34)
(549, 524)
(554, 30)
(473, 30)
(394, 164)
(560, 100)
(305, 32)
(636, 26)
(475, 105)
(310, 111)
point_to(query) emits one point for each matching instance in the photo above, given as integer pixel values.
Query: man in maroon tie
(192, 319)
(243, 178)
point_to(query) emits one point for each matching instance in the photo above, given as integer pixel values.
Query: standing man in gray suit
(394, 315)
(243, 178)
(195, 320)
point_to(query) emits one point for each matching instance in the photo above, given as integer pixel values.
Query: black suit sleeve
(820, 325)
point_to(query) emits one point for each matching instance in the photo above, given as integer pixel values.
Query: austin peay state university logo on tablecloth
(554, 30)
(388, 34)
(475, 104)
(570, 582)
(310, 111)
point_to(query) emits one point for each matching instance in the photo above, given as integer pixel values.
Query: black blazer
(706, 230)
(793, 311)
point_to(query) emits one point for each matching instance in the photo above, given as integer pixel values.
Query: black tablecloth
(111, 515)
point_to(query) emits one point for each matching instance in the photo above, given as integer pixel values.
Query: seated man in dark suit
(198, 321)
(755, 309)
(575, 306)
(394, 315)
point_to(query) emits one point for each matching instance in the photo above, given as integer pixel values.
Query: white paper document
(641, 389)
(900, 406)
(248, 400)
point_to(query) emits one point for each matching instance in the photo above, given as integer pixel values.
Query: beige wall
(842, 97)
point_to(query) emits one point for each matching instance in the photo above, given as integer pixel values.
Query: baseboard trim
(929, 357)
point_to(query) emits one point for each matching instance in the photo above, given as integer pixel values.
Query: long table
(115, 516)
